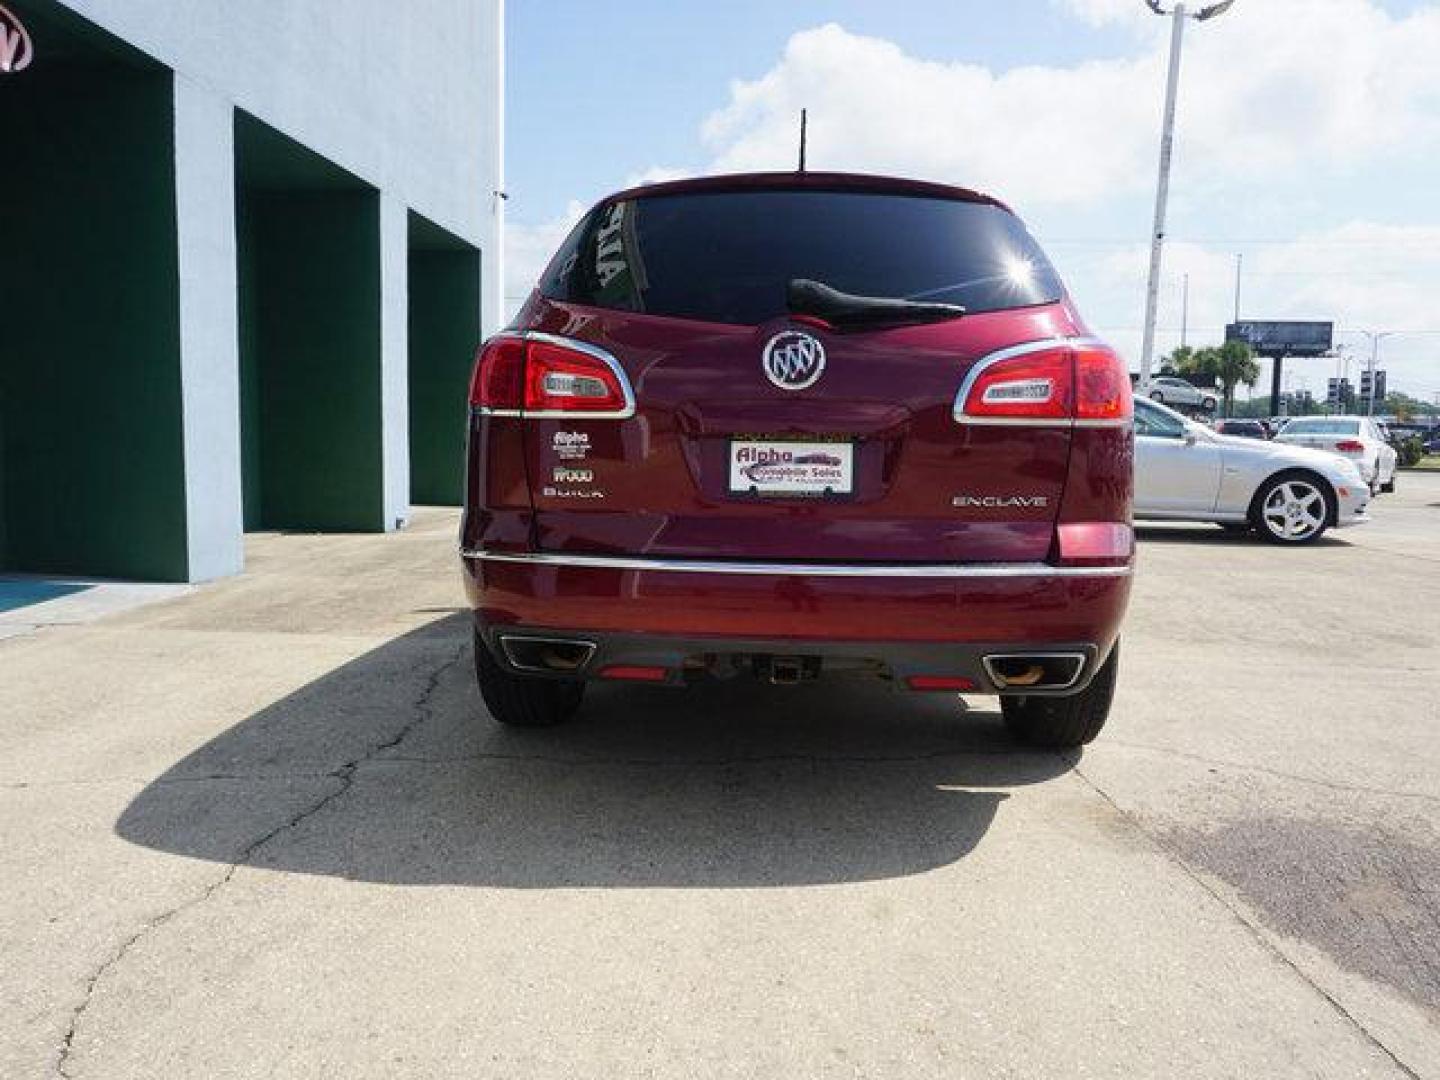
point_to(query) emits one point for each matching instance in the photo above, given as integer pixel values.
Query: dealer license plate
(786, 468)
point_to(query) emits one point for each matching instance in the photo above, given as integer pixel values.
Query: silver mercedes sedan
(1287, 494)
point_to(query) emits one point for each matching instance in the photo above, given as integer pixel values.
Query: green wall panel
(310, 359)
(444, 293)
(91, 444)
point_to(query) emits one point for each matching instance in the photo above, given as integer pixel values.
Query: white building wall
(409, 97)
(209, 345)
(403, 95)
(394, 360)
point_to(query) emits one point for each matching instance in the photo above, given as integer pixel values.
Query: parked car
(1358, 438)
(1244, 429)
(800, 424)
(1288, 494)
(1171, 390)
(1432, 444)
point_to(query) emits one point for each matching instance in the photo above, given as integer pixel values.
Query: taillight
(1102, 385)
(1036, 385)
(1350, 446)
(543, 376)
(499, 378)
(562, 379)
(1094, 543)
(1049, 382)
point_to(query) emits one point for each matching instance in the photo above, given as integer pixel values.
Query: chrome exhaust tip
(553, 656)
(1019, 672)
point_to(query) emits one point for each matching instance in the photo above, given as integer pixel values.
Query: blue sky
(1309, 137)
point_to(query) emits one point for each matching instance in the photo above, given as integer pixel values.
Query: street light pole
(1162, 196)
(1239, 258)
(1162, 188)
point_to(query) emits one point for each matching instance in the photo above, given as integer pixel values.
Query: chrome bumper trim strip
(851, 570)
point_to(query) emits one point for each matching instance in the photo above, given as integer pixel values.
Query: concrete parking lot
(265, 829)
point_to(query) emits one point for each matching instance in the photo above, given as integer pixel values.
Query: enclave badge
(793, 360)
(1000, 502)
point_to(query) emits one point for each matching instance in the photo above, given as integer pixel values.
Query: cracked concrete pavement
(265, 829)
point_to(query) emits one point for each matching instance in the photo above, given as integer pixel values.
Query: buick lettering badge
(793, 360)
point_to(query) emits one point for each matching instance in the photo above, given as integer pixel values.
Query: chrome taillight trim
(843, 570)
(594, 351)
(957, 409)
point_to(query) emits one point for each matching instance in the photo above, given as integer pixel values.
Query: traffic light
(1377, 384)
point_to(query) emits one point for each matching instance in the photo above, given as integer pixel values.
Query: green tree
(1176, 361)
(1404, 407)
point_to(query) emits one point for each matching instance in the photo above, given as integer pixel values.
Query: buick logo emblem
(793, 360)
(15, 50)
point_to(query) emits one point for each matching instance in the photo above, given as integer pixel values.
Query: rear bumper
(1352, 512)
(610, 655)
(886, 613)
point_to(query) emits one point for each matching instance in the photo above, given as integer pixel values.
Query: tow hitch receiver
(787, 670)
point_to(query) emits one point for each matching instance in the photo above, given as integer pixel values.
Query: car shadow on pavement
(1215, 536)
(387, 769)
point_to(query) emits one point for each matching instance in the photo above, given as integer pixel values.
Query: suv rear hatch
(737, 428)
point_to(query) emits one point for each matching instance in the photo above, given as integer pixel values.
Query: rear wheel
(1388, 487)
(1059, 723)
(1292, 508)
(524, 701)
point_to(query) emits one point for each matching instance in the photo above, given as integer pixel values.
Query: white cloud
(1280, 84)
(1360, 275)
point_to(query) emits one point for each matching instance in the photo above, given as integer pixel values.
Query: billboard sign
(1269, 338)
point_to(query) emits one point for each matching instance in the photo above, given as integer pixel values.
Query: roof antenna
(802, 140)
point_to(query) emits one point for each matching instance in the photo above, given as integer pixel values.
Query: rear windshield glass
(1323, 427)
(728, 256)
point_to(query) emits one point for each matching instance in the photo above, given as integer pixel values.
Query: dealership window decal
(15, 48)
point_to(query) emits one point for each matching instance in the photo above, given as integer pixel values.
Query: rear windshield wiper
(841, 309)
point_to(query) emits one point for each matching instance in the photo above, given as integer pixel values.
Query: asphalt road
(266, 830)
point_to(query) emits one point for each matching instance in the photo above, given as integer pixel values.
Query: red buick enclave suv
(796, 425)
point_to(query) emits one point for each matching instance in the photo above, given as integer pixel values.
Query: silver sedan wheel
(1294, 511)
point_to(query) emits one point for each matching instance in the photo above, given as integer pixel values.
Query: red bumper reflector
(635, 673)
(1095, 543)
(940, 682)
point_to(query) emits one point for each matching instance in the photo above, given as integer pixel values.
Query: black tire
(1388, 488)
(1062, 723)
(1269, 515)
(520, 701)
